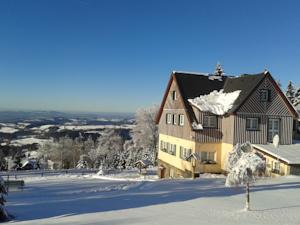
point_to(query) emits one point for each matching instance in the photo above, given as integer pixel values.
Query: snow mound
(197, 126)
(8, 130)
(216, 102)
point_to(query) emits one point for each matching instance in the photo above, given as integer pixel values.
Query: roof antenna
(219, 70)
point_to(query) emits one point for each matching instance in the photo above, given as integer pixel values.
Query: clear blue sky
(113, 55)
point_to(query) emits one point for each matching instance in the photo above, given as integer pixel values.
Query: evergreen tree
(3, 212)
(297, 97)
(290, 92)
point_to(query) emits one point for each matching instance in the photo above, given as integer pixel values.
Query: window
(208, 157)
(184, 153)
(252, 123)
(168, 118)
(276, 167)
(181, 119)
(174, 95)
(172, 149)
(264, 95)
(210, 121)
(163, 146)
(174, 119)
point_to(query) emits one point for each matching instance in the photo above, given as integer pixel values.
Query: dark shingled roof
(246, 83)
(193, 85)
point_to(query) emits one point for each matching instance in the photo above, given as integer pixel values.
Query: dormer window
(264, 95)
(210, 121)
(174, 95)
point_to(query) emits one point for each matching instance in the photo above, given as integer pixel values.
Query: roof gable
(193, 85)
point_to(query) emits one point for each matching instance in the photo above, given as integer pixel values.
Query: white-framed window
(174, 119)
(163, 146)
(172, 149)
(168, 118)
(252, 123)
(264, 95)
(276, 167)
(210, 121)
(184, 153)
(208, 157)
(174, 95)
(181, 119)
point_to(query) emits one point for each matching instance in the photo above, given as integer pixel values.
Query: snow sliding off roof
(216, 102)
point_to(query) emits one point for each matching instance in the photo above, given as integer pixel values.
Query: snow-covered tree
(243, 165)
(145, 133)
(3, 212)
(110, 148)
(290, 92)
(297, 97)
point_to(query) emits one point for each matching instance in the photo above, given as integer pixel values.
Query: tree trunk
(247, 197)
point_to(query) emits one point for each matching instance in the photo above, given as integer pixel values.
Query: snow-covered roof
(287, 153)
(216, 102)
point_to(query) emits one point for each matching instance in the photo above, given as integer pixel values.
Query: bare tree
(3, 212)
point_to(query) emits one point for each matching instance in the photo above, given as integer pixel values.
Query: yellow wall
(176, 161)
(226, 148)
(183, 165)
(284, 168)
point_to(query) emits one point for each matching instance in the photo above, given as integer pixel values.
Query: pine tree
(297, 97)
(3, 212)
(290, 92)
(219, 70)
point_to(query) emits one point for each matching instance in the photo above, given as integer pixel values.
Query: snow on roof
(193, 73)
(8, 130)
(216, 102)
(287, 153)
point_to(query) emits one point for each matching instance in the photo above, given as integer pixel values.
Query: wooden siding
(228, 129)
(276, 105)
(260, 136)
(175, 107)
(208, 135)
(253, 107)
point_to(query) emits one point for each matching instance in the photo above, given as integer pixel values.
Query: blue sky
(111, 55)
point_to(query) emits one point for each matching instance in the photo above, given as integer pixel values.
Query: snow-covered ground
(28, 141)
(87, 200)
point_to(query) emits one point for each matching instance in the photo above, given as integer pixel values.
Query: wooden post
(247, 197)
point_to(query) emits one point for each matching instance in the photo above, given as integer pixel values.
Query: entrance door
(273, 129)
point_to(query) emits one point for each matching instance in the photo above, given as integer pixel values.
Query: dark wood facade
(231, 128)
(175, 107)
(275, 108)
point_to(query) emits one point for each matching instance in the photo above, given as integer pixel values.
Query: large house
(202, 116)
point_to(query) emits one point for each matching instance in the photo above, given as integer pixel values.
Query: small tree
(290, 92)
(3, 212)
(243, 165)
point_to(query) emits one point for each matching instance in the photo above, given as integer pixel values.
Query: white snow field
(87, 200)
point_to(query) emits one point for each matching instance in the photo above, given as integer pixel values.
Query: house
(208, 114)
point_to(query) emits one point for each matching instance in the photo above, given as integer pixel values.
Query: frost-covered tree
(3, 212)
(243, 165)
(290, 92)
(297, 97)
(110, 148)
(145, 133)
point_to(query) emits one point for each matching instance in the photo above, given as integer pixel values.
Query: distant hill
(20, 116)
